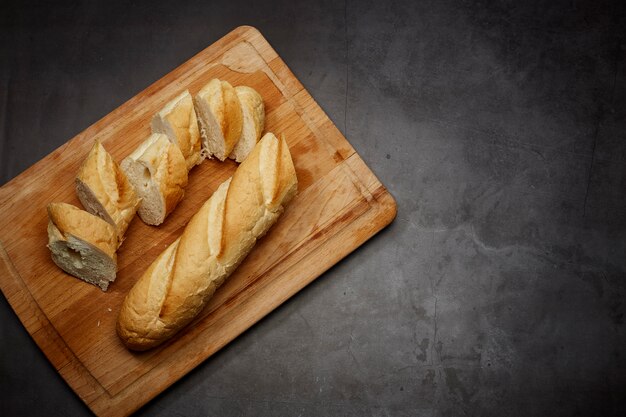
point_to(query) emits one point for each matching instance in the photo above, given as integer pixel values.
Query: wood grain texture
(340, 204)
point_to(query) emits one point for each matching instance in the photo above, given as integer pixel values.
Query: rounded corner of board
(388, 207)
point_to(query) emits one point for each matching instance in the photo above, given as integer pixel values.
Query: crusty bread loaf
(178, 121)
(104, 190)
(179, 283)
(158, 171)
(220, 118)
(82, 244)
(253, 110)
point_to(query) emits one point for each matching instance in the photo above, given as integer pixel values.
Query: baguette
(253, 111)
(82, 244)
(158, 171)
(178, 121)
(180, 282)
(220, 118)
(104, 190)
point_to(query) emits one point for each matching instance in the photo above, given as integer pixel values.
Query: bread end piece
(81, 244)
(253, 112)
(147, 296)
(158, 172)
(177, 120)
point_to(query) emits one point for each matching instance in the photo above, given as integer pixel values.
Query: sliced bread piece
(220, 118)
(253, 111)
(104, 190)
(178, 121)
(82, 244)
(158, 172)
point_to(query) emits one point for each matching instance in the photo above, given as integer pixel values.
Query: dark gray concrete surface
(499, 127)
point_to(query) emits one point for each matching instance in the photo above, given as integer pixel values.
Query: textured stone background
(500, 128)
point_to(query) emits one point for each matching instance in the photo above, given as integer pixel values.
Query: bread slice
(253, 111)
(178, 121)
(220, 118)
(82, 244)
(104, 190)
(158, 171)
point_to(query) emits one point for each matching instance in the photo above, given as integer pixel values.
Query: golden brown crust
(220, 117)
(158, 172)
(287, 182)
(253, 122)
(180, 282)
(250, 98)
(233, 120)
(244, 203)
(104, 189)
(147, 297)
(70, 220)
(178, 121)
(174, 178)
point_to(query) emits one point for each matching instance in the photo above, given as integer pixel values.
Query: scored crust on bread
(177, 119)
(182, 279)
(253, 111)
(220, 118)
(158, 172)
(82, 244)
(104, 190)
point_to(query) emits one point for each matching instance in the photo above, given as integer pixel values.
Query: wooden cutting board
(340, 204)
